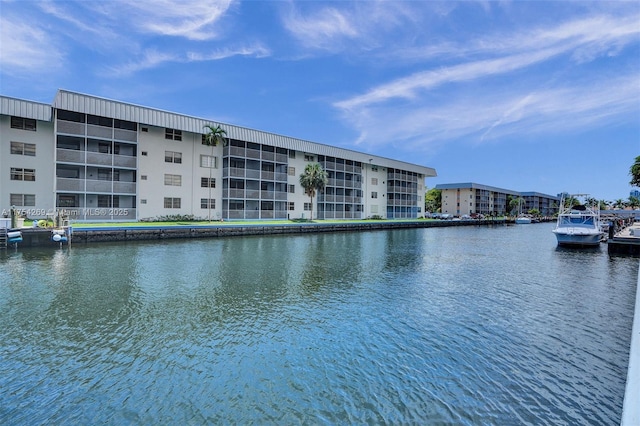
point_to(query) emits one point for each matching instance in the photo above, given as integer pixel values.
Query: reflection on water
(451, 325)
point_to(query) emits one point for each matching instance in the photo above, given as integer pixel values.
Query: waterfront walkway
(631, 408)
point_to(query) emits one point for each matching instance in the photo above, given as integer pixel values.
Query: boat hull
(578, 240)
(523, 220)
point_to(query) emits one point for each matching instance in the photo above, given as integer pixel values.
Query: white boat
(522, 218)
(578, 225)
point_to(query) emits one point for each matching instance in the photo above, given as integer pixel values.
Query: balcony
(235, 193)
(99, 158)
(124, 187)
(95, 158)
(70, 156)
(124, 161)
(70, 127)
(92, 185)
(68, 184)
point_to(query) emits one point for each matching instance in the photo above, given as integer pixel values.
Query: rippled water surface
(429, 326)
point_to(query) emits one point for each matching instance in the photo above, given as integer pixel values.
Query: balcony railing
(124, 161)
(96, 158)
(92, 185)
(67, 184)
(70, 155)
(124, 187)
(99, 158)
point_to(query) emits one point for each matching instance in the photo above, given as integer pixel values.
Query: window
(374, 209)
(291, 171)
(208, 161)
(171, 203)
(22, 200)
(68, 201)
(104, 147)
(292, 189)
(173, 134)
(292, 205)
(20, 148)
(125, 125)
(23, 174)
(70, 116)
(99, 121)
(144, 129)
(374, 181)
(309, 157)
(374, 194)
(173, 180)
(292, 154)
(23, 123)
(374, 168)
(211, 203)
(143, 201)
(105, 201)
(143, 177)
(208, 182)
(144, 153)
(307, 206)
(108, 174)
(173, 157)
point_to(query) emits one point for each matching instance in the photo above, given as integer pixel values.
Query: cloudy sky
(529, 96)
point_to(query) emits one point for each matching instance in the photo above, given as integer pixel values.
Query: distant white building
(105, 160)
(460, 199)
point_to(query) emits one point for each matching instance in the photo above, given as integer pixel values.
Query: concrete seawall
(631, 408)
(42, 237)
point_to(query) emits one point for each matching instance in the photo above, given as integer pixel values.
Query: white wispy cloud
(536, 102)
(321, 30)
(152, 58)
(256, 50)
(193, 19)
(336, 27)
(488, 116)
(26, 46)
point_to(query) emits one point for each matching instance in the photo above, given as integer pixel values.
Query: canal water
(461, 325)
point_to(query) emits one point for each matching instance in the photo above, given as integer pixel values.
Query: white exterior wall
(152, 190)
(374, 206)
(299, 197)
(42, 163)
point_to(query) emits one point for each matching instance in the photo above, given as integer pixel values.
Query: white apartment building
(460, 199)
(104, 160)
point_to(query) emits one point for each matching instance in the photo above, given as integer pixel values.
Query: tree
(635, 172)
(213, 136)
(515, 205)
(634, 202)
(619, 204)
(312, 180)
(433, 200)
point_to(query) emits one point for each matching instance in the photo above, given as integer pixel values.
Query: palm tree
(211, 138)
(313, 179)
(635, 172)
(603, 204)
(515, 205)
(619, 203)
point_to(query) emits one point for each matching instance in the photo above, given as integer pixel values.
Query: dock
(626, 241)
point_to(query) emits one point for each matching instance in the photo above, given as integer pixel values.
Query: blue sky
(529, 96)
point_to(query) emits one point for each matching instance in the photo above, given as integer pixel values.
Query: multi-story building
(100, 159)
(471, 198)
